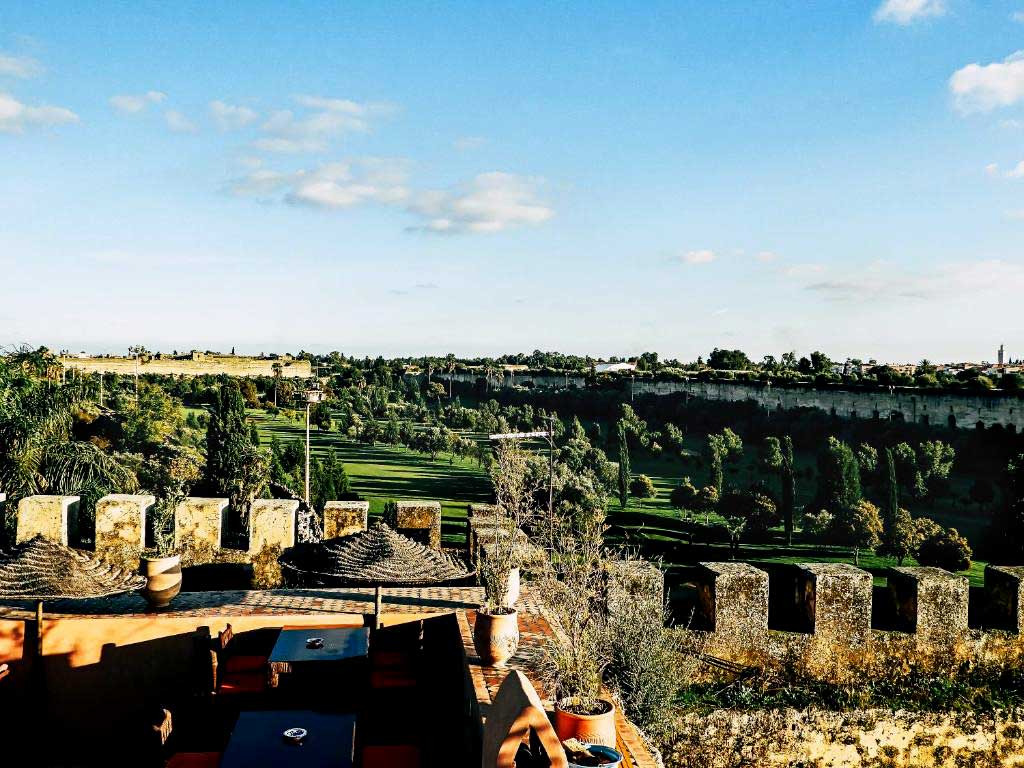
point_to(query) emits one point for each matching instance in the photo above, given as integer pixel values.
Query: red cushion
(245, 664)
(391, 756)
(194, 760)
(388, 678)
(244, 682)
(391, 659)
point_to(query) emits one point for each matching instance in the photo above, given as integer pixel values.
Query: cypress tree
(891, 501)
(788, 476)
(625, 475)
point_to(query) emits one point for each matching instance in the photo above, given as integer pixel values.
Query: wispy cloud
(905, 12)
(1017, 172)
(15, 116)
(231, 117)
(21, 67)
(992, 277)
(802, 270)
(767, 257)
(178, 123)
(335, 185)
(1018, 16)
(490, 202)
(130, 104)
(323, 121)
(982, 88)
(703, 256)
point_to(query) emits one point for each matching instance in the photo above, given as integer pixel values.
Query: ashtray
(314, 642)
(295, 735)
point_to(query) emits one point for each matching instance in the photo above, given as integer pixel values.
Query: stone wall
(52, 517)
(121, 529)
(420, 520)
(961, 410)
(874, 737)
(212, 365)
(343, 518)
(835, 639)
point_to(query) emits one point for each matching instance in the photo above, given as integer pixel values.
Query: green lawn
(383, 473)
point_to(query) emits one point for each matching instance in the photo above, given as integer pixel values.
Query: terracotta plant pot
(590, 729)
(496, 637)
(163, 579)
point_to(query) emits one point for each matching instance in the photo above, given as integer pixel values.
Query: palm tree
(38, 452)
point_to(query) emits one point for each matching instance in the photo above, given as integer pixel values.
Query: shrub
(947, 549)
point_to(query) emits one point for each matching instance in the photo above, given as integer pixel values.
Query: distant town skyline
(399, 178)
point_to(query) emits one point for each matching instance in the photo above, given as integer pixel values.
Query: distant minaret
(1001, 354)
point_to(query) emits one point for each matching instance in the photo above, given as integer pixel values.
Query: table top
(339, 643)
(257, 740)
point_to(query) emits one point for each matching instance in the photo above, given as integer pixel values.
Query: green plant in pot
(496, 629)
(169, 473)
(578, 652)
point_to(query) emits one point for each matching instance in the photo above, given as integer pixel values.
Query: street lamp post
(549, 436)
(313, 395)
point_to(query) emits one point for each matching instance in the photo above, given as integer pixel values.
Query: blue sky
(601, 178)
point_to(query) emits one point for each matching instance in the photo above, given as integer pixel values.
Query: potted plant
(578, 652)
(169, 473)
(160, 565)
(496, 629)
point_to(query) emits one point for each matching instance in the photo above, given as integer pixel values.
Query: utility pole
(313, 395)
(101, 389)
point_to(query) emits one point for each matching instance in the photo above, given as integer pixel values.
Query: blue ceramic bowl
(597, 749)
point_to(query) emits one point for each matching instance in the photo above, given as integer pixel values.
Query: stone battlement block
(634, 580)
(733, 598)
(121, 529)
(930, 602)
(52, 517)
(1005, 603)
(343, 518)
(272, 523)
(836, 600)
(420, 520)
(198, 525)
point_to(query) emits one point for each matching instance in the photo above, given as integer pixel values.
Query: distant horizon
(248, 350)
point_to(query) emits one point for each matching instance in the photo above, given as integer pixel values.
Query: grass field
(384, 473)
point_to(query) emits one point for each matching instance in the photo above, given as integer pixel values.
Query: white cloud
(231, 117)
(15, 116)
(1016, 215)
(1018, 16)
(803, 270)
(766, 257)
(22, 67)
(130, 104)
(978, 88)
(178, 123)
(704, 256)
(1017, 172)
(325, 120)
(336, 185)
(469, 143)
(490, 202)
(904, 12)
(944, 283)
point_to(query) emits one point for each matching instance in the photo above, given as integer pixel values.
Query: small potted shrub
(578, 653)
(160, 565)
(496, 630)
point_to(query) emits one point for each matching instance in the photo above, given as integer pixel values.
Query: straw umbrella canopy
(40, 570)
(379, 556)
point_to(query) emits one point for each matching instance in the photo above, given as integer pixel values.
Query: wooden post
(39, 629)
(376, 607)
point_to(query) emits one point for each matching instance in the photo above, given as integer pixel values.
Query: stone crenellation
(194, 364)
(961, 410)
(835, 632)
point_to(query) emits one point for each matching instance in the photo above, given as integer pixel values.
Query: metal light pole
(549, 436)
(314, 395)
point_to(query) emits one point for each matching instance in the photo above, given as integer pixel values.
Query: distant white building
(614, 367)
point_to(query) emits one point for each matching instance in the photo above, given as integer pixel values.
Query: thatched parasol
(40, 570)
(379, 556)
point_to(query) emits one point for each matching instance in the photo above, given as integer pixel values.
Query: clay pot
(163, 579)
(496, 637)
(590, 729)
